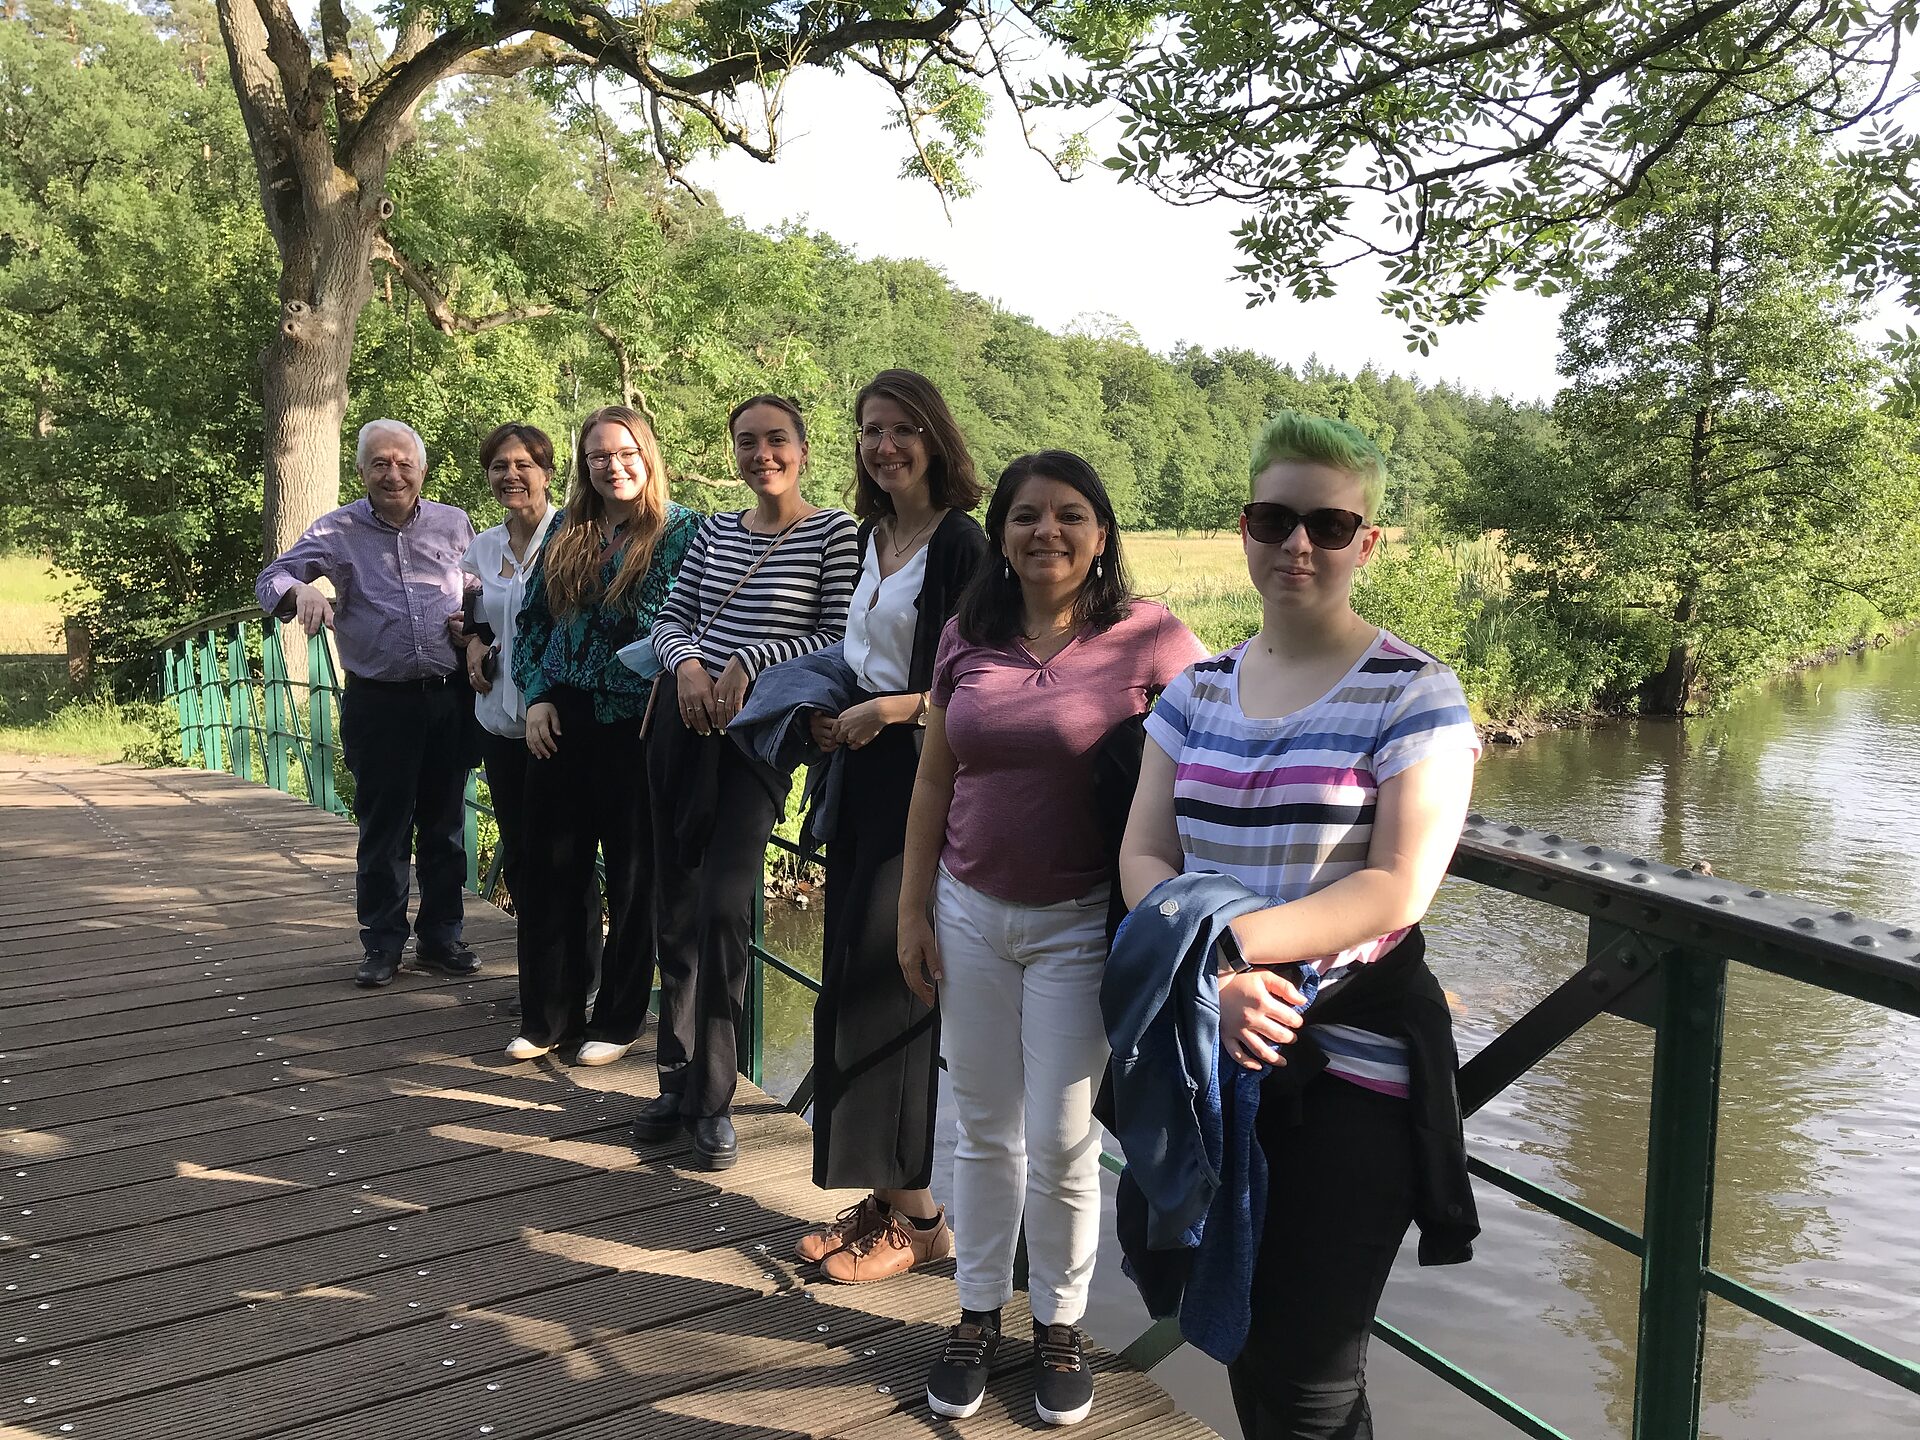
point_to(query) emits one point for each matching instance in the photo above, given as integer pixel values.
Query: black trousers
(876, 1048)
(506, 759)
(705, 914)
(590, 795)
(1340, 1175)
(409, 751)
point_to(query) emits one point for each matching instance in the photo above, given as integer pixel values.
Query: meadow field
(38, 714)
(30, 609)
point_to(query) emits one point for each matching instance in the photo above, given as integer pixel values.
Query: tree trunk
(304, 398)
(1668, 690)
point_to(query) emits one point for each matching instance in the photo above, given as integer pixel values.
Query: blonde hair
(572, 556)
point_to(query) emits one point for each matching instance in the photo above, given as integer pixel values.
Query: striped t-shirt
(795, 603)
(1285, 804)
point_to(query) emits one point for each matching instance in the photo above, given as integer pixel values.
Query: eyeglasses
(603, 459)
(902, 435)
(1271, 523)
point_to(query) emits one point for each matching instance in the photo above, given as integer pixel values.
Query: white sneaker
(600, 1052)
(525, 1049)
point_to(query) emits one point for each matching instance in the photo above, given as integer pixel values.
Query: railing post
(1683, 1121)
(753, 1058)
(471, 817)
(320, 700)
(213, 720)
(278, 741)
(239, 703)
(172, 690)
(192, 745)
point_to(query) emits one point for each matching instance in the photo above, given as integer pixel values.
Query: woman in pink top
(1003, 903)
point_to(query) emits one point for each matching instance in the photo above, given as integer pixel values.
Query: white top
(881, 621)
(501, 710)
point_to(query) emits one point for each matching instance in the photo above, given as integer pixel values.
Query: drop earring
(1099, 568)
(1006, 567)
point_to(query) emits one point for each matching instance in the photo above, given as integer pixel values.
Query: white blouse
(881, 621)
(501, 709)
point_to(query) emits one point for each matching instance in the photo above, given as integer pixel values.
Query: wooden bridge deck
(239, 1198)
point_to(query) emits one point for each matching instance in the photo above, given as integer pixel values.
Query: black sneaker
(458, 960)
(958, 1381)
(377, 969)
(1062, 1383)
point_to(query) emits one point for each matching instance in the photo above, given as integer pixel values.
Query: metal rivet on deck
(19, 1339)
(1903, 933)
(413, 1304)
(1592, 850)
(1756, 894)
(54, 1364)
(1716, 900)
(1845, 917)
(493, 1387)
(1805, 922)
(1866, 942)
(1556, 854)
(1476, 819)
(455, 1325)
(1641, 877)
(420, 1272)
(43, 1305)
(356, 1211)
(1599, 865)
(869, 1351)
(884, 1389)
(446, 1362)
(384, 1256)
(393, 1227)
(1473, 832)
(822, 1328)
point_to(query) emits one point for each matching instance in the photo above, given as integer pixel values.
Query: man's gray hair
(372, 429)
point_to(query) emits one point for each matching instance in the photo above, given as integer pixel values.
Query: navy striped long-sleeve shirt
(795, 603)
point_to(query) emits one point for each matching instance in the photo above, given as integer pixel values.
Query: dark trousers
(590, 795)
(706, 923)
(1341, 1172)
(506, 760)
(409, 751)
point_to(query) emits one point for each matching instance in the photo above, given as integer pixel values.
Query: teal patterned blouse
(578, 650)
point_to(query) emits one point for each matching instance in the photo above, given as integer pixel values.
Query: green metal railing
(1660, 943)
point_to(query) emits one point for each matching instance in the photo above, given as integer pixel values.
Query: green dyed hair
(1316, 440)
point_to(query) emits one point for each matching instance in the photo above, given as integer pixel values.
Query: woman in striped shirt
(1327, 764)
(759, 586)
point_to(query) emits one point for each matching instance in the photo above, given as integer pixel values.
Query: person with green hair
(1326, 765)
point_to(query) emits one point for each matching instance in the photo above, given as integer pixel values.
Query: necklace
(893, 539)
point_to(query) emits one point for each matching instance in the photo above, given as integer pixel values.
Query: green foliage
(1719, 472)
(133, 275)
(1463, 144)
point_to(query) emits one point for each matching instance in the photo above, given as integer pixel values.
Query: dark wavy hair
(991, 607)
(951, 483)
(779, 402)
(539, 446)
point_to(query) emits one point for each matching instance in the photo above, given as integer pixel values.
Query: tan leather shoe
(895, 1248)
(849, 1225)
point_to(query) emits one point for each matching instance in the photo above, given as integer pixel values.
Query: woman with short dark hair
(875, 1044)
(1003, 904)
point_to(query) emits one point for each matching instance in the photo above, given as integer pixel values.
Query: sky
(1055, 252)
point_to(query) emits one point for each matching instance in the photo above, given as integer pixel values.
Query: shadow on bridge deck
(239, 1198)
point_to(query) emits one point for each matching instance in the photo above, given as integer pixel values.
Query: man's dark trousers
(409, 745)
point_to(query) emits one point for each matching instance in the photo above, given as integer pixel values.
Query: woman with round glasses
(1327, 764)
(875, 1044)
(599, 583)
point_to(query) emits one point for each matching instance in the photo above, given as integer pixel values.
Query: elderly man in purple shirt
(394, 560)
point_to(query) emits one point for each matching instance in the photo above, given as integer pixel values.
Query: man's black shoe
(659, 1119)
(714, 1142)
(377, 969)
(458, 961)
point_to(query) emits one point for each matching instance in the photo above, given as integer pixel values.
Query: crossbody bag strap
(764, 556)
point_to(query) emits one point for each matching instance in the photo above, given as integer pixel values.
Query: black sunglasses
(1271, 523)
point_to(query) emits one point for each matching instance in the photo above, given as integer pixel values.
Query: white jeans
(1021, 1032)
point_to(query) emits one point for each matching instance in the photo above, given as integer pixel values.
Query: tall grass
(30, 605)
(39, 716)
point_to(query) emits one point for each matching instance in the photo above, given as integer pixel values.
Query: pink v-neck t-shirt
(1023, 826)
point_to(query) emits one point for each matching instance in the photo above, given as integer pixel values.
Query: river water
(1811, 787)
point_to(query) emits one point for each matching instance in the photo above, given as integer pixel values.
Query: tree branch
(440, 314)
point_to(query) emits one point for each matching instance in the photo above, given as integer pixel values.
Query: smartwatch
(1232, 960)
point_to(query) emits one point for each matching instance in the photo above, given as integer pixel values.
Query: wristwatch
(1231, 959)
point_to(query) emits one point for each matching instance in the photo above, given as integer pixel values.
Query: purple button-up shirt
(393, 588)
